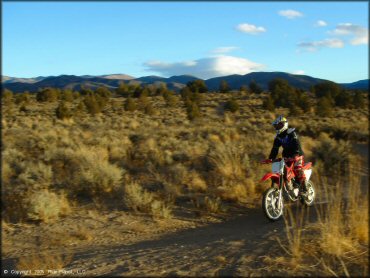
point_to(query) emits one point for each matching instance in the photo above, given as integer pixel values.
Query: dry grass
(337, 244)
(44, 263)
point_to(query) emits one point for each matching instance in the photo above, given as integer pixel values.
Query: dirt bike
(285, 186)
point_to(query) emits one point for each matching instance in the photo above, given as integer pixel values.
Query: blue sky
(322, 39)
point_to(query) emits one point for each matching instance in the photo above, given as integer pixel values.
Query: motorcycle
(285, 186)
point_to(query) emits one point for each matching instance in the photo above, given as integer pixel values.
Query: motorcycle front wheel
(270, 203)
(309, 198)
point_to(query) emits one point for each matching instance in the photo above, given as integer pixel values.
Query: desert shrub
(149, 109)
(45, 262)
(343, 99)
(358, 100)
(213, 205)
(326, 89)
(324, 107)
(23, 98)
(47, 206)
(243, 89)
(254, 87)
(191, 96)
(86, 171)
(170, 99)
(23, 108)
(92, 105)
(197, 86)
(34, 175)
(334, 157)
(7, 97)
(80, 107)
(143, 102)
(63, 112)
(139, 199)
(103, 92)
(231, 106)
(142, 200)
(123, 90)
(194, 181)
(295, 111)
(160, 209)
(229, 169)
(224, 87)
(47, 95)
(67, 95)
(340, 234)
(141, 91)
(268, 104)
(193, 111)
(130, 104)
(86, 92)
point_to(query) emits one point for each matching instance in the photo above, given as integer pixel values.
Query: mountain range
(174, 82)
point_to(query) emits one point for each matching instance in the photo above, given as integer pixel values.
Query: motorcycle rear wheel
(270, 204)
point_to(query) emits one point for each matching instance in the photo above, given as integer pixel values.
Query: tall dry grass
(337, 243)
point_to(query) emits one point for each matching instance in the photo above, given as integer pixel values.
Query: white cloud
(298, 72)
(224, 49)
(320, 23)
(206, 67)
(250, 28)
(315, 45)
(290, 14)
(360, 35)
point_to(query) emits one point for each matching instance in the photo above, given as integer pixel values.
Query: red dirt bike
(284, 186)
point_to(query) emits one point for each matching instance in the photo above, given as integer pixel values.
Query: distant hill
(118, 76)
(361, 84)
(174, 82)
(8, 79)
(262, 79)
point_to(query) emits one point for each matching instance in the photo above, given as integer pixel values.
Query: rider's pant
(298, 169)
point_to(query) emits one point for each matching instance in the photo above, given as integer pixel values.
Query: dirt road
(216, 248)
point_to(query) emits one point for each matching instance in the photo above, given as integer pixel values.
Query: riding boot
(303, 186)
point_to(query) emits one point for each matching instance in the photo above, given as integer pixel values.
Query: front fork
(280, 200)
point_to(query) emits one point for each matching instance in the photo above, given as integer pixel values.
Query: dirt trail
(201, 251)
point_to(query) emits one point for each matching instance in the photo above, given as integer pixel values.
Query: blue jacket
(288, 139)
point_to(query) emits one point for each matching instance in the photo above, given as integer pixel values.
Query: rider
(288, 139)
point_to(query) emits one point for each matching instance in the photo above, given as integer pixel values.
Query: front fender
(273, 176)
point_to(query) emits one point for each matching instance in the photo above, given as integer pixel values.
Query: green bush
(358, 100)
(268, 104)
(63, 112)
(47, 95)
(23, 98)
(92, 105)
(103, 92)
(7, 97)
(149, 109)
(67, 95)
(47, 206)
(232, 106)
(130, 104)
(193, 111)
(324, 107)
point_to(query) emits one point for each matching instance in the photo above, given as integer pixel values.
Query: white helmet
(280, 124)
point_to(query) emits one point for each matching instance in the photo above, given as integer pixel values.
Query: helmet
(280, 124)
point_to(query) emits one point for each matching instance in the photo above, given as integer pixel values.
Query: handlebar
(268, 161)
